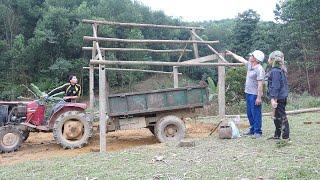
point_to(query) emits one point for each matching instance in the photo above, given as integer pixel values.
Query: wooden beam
(102, 96)
(292, 112)
(157, 63)
(202, 59)
(139, 49)
(134, 70)
(91, 73)
(211, 48)
(175, 77)
(195, 45)
(138, 25)
(221, 91)
(90, 38)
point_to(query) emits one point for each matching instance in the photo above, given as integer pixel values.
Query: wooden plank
(135, 70)
(211, 48)
(90, 38)
(138, 24)
(195, 45)
(140, 49)
(157, 63)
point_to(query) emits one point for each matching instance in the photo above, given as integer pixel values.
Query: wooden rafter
(138, 25)
(90, 38)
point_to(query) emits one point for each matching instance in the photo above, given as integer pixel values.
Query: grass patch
(211, 158)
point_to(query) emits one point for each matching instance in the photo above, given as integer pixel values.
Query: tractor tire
(10, 139)
(72, 129)
(170, 128)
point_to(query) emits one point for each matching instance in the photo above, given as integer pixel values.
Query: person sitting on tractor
(72, 90)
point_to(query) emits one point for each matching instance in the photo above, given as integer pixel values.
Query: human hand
(45, 96)
(274, 103)
(258, 101)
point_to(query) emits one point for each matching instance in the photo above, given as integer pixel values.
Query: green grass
(211, 158)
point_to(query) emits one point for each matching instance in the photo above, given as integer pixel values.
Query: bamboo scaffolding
(157, 63)
(139, 49)
(90, 38)
(134, 70)
(211, 48)
(138, 25)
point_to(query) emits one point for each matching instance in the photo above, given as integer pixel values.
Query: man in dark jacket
(278, 93)
(72, 90)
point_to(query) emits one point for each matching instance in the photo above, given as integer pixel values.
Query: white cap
(259, 55)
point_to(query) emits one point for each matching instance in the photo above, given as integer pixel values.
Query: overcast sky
(200, 10)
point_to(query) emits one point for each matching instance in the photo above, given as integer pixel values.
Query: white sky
(200, 10)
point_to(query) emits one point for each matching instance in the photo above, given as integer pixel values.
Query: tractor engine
(17, 114)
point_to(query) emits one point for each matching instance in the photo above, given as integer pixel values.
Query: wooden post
(91, 87)
(91, 76)
(175, 77)
(102, 108)
(102, 96)
(221, 91)
(195, 45)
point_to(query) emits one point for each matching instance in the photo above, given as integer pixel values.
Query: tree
(246, 24)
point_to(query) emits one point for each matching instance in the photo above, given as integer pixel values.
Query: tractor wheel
(10, 139)
(170, 128)
(72, 129)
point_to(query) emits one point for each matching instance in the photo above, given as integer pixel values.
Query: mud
(40, 146)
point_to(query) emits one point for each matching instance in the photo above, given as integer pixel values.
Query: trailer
(161, 111)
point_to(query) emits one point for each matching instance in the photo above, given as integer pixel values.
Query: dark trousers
(281, 120)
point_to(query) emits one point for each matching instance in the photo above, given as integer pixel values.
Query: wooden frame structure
(98, 59)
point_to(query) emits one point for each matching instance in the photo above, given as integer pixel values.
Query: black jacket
(68, 89)
(277, 84)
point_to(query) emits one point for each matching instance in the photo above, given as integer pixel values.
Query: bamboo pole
(138, 25)
(134, 70)
(221, 91)
(211, 48)
(195, 45)
(293, 112)
(175, 77)
(157, 63)
(143, 50)
(90, 38)
(91, 74)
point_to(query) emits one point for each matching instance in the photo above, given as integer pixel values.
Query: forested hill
(41, 40)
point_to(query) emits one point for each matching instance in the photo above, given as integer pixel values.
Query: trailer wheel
(72, 129)
(10, 139)
(170, 128)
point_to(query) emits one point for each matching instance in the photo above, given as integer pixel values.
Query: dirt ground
(41, 146)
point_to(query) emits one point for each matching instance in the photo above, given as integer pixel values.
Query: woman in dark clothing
(278, 93)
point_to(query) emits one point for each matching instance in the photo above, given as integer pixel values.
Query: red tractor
(71, 126)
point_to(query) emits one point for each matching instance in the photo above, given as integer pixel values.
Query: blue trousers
(254, 114)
